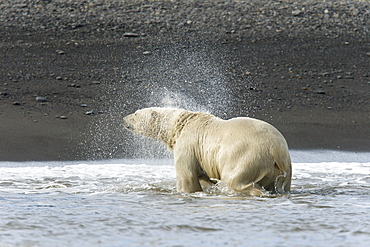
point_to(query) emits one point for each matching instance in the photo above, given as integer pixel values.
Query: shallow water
(135, 203)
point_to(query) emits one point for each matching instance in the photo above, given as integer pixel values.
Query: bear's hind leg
(204, 177)
(251, 189)
(248, 188)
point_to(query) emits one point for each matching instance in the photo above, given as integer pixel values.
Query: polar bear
(250, 155)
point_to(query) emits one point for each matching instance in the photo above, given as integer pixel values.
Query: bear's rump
(241, 165)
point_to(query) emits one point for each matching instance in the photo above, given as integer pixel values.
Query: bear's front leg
(187, 172)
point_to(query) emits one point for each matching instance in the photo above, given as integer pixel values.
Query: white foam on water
(333, 174)
(124, 175)
(156, 174)
(135, 203)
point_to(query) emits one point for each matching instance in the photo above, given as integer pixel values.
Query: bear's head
(153, 122)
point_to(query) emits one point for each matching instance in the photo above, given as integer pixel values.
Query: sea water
(135, 203)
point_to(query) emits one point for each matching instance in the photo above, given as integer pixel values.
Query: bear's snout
(126, 123)
(127, 126)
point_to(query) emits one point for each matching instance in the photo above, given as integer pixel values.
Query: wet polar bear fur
(250, 155)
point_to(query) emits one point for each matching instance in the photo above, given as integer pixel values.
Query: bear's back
(244, 129)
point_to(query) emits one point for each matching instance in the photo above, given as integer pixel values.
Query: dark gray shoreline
(302, 66)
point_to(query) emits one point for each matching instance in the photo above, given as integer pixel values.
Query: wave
(158, 176)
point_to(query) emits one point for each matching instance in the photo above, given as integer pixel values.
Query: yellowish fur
(250, 155)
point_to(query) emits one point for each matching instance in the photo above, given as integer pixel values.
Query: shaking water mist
(192, 77)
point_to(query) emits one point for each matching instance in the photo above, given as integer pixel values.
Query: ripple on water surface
(135, 203)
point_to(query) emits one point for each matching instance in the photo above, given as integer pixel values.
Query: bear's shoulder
(188, 119)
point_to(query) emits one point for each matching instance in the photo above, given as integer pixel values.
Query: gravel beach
(70, 70)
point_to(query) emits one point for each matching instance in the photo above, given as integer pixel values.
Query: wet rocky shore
(71, 69)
